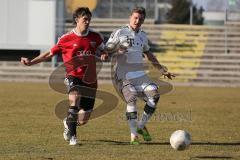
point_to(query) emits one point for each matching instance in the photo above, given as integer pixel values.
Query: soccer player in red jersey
(78, 48)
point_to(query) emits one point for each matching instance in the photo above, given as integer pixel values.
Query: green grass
(29, 128)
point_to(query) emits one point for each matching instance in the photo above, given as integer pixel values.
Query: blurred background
(197, 39)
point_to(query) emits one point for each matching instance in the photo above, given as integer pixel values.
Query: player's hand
(104, 57)
(26, 61)
(169, 75)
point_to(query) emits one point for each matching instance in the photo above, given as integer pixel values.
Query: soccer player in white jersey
(130, 43)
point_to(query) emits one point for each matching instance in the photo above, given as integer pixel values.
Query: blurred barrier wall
(199, 55)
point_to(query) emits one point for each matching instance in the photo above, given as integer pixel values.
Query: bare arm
(155, 62)
(42, 57)
(163, 69)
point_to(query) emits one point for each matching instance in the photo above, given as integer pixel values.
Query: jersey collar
(80, 35)
(130, 28)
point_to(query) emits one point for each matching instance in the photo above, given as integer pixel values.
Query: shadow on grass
(113, 142)
(217, 143)
(211, 157)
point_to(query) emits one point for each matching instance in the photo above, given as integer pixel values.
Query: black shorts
(87, 91)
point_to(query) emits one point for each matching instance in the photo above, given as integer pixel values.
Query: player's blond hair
(139, 10)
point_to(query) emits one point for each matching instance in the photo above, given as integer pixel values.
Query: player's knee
(151, 91)
(73, 98)
(131, 108)
(130, 94)
(152, 94)
(83, 117)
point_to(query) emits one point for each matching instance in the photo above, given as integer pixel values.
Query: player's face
(83, 22)
(136, 20)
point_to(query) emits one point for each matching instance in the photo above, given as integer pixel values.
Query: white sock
(144, 120)
(132, 122)
(133, 127)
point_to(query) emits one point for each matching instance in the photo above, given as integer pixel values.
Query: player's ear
(76, 20)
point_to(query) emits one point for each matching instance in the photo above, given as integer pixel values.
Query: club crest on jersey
(75, 45)
(93, 44)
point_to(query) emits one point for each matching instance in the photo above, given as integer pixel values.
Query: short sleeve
(100, 43)
(114, 37)
(101, 47)
(57, 48)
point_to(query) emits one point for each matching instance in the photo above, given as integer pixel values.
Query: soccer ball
(112, 47)
(180, 140)
(124, 44)
(119, 48)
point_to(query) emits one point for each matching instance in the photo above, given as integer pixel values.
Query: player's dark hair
(79, 12)
(139, 10)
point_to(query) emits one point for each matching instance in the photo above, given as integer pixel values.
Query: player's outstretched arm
(163, 69)
(42, 57)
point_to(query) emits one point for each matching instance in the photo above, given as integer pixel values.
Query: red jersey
(78, 54)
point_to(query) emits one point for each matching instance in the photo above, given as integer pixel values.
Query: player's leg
(152, 96)
(130, 95)
(72, 116)
(70, 123)
(86, 107)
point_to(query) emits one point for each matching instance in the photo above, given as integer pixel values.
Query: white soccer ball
(119, 48)
(180, 140)
(124, 44)
(112, 47)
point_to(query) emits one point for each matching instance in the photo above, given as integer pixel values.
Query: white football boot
(73, 141)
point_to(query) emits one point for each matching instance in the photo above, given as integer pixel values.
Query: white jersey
(130, 64)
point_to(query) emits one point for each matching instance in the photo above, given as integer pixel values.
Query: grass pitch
(29, 128)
